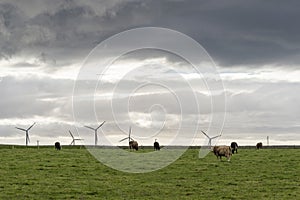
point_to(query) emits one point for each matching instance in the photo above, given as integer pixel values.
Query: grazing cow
(156, 146)
(259, 145)
(234, 147)
(133, 145)
(57, 146)
(220, 151)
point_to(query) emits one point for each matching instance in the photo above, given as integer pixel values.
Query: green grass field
(72, 173)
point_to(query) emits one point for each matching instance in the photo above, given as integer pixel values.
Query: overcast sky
(254, 44)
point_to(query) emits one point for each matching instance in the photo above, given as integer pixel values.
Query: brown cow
(220, 151)
(133, 145)
(259, 145)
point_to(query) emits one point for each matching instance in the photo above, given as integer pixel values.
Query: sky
(253, 45)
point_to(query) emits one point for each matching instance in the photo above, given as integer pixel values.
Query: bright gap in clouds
(265, 74)
(21, 67)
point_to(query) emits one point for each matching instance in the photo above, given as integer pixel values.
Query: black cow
(57, 146)
(156, 146)
(234, 147)
(259, 145)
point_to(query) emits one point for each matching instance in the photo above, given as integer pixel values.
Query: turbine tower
(210, 138)
(95, 129)
(27, 140)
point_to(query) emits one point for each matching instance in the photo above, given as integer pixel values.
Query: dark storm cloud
(233, 32)
(10, 22)
(239, 32)
(64, 32)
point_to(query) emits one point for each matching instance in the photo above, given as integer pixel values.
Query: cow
(220, 151)
(259, 145)
(156, 146)
(234, 147)
(133, 145)
(57, 146)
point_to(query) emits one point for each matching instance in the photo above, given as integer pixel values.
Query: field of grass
(72, 173)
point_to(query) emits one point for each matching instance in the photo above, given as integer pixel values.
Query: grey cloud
(239, 32)
(270, 109)
(233, 32)
(33, 96)
(11, 22)
(73, 27)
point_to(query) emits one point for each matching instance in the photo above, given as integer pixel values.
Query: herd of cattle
(227, 151)
(132, 145)
(219, 151)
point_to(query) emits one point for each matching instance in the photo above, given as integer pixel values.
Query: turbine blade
(205, 134)
(31, 126)
(89, 127)
(100, 125)
(22, 129)
(215, 136)
(71, 134)
(123, 139)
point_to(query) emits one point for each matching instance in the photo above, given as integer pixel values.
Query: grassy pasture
(72, 173)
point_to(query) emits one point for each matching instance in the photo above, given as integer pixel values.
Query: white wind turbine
(210, 138)
(73, 139)
(131, 142)
(95, 129)
(129, 137)
(27, 140)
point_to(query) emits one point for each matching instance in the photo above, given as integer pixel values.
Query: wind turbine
(129, 138)
(26, 130)
(132, 143)
(73, 139)
(210, 138)
(95, 129)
